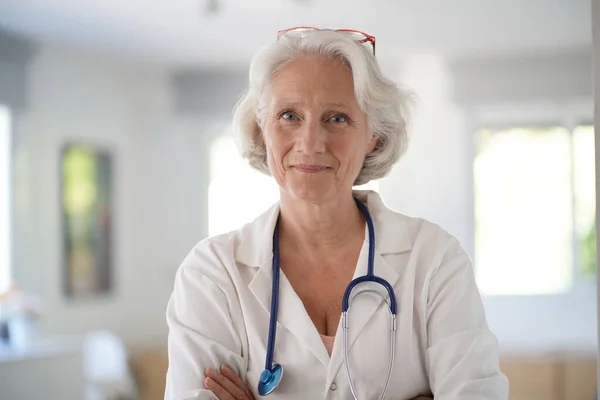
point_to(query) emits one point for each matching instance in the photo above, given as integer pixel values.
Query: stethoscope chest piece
(269, 379)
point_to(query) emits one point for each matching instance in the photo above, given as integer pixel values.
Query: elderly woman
(320, 117)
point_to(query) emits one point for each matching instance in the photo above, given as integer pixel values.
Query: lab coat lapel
(292, 314)
(391, 237)
(256, 249)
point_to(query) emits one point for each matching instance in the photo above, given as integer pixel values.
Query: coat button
(333, 387)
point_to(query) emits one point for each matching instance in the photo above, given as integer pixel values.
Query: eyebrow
(337, 105)
(284, 104)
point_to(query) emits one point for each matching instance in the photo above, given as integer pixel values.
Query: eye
(338, 119)
(288, 116)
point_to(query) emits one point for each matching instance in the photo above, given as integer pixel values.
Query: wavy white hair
(386, 104)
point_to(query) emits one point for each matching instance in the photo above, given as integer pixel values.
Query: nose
(312, 138)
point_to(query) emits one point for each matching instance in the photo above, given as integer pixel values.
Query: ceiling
(184, 33)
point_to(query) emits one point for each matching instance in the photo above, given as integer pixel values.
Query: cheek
(351, 153)
(275, 144)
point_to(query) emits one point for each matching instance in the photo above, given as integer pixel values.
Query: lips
(309, 169)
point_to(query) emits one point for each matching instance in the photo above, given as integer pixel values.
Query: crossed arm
(226, 385)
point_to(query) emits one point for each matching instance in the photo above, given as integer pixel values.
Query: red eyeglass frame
(368, 38)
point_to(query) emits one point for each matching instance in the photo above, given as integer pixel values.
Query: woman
(320, 117)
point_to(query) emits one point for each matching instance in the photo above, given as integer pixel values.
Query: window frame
(6, 270)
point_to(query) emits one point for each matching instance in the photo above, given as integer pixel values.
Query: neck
(321, 226)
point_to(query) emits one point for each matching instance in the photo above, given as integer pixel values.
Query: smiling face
(316, 134)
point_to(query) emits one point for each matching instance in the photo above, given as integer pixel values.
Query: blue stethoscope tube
(272, 374)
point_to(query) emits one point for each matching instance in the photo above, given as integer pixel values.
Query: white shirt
(219, 314)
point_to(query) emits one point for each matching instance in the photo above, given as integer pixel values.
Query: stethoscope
(271, 376)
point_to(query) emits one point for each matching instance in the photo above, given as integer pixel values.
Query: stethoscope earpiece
(269, 379)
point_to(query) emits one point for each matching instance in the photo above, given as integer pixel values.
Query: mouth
(309, 169)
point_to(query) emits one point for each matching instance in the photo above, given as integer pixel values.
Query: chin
(311, 193)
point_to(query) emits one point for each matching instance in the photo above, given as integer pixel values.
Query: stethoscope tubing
(271, 380)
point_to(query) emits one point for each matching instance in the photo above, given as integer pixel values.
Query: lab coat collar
(391, 232)
(255, 250)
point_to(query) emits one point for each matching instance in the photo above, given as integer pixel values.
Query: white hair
(386, 105)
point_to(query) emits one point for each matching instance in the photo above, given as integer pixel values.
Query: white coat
(219, 314)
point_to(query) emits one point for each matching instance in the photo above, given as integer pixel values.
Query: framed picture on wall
(87, 220)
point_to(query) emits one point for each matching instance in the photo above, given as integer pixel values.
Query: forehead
(309, 79)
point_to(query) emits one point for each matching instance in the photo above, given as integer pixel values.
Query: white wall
(158, 181)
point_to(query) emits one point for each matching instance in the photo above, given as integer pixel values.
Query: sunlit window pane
(585, 197)
(523, 211)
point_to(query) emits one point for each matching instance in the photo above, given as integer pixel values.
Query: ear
(258, 138)
(372, 144)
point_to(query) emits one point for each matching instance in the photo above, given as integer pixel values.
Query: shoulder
(211, 248)
(439, 250)
(226, 253)
(208, 273)
(420, 234)
(431, 236)
(203, 270)
(436, 257)
(212, 254)
(406, 232)
(428, 245)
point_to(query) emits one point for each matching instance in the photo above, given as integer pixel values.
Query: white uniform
(219, 314)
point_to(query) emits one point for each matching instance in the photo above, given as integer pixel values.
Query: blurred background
(117, 157)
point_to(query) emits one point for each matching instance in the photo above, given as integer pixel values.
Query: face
(315, 133)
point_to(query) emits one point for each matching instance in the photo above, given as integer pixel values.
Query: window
(5, 181)
(534, 209)
(238, 193)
